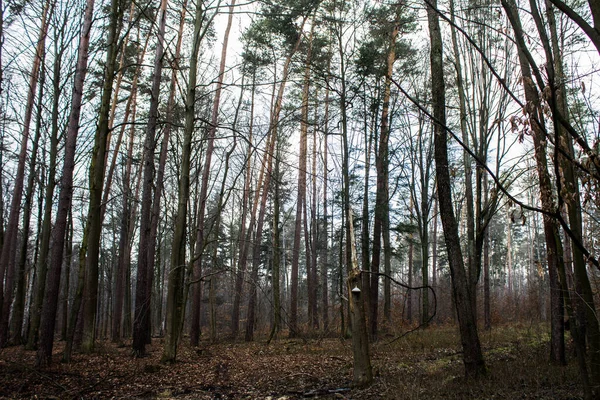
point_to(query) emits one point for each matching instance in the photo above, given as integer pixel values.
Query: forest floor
(426, 364)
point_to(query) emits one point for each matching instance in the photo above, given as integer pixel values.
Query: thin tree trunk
(325, 244)
(314, 226)
(124, 247)
(381, 221)
(434, 255)
(244, 233)
(365, 236)
(19, 304)
(472, 355)
(301, 204)
(126, 213)
(197, 295)
(175, 295)
(49, 308)
(67, 278)
(145, 270)
(509, 260)
(467, 163)
(160, 174)
(10, 244)
(273, 128)
(44, 245)
(115, 100)
(97, 169)
(411, 252)
(557, 322)
(487, 307)
(362, 371)
(275, 327)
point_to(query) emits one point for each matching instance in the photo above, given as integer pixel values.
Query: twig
(409, 288)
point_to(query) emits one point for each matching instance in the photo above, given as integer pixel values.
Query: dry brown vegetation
(426, 364)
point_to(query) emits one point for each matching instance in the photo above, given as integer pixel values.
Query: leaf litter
(423, 365)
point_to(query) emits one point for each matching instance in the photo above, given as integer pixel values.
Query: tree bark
(160, 174)
(10, 245)
(382, 207)
(301, 204)
(273, 127)
(362, 371)
(19, 301)
(275, 277)
(314, 228)
(49, 308)
(200, 243)
(553, 242)
(472, 355)
(472, 263)
(175, 295)
(145, 270)
(243, 241)
(97, 169)
(325, 245)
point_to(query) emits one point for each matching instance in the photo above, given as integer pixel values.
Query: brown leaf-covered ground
(423, 365)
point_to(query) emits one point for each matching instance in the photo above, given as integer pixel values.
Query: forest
(305, 198)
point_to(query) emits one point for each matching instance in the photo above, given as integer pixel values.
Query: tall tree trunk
(175, 295)
(487, 307)
(472, 355)
(243, 241)
(362, 371)
(382, 208)
(160, 174)
(434, 255)
(197, 295)
(111, 119)
(124, 252)
(410, 273)
(19, 303)
(557, 322)
(67, 278)
(273, 128)
(97, 169)
(49, 308)
(216, 227)
(562, 167)
(325, 244)
(509, 260)
(571, 195)
(145, 270)
(365, 236)
(10, 245)
(301, 203)
(314, 227)
(467, 163)
(275, 278)
(44, 245)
